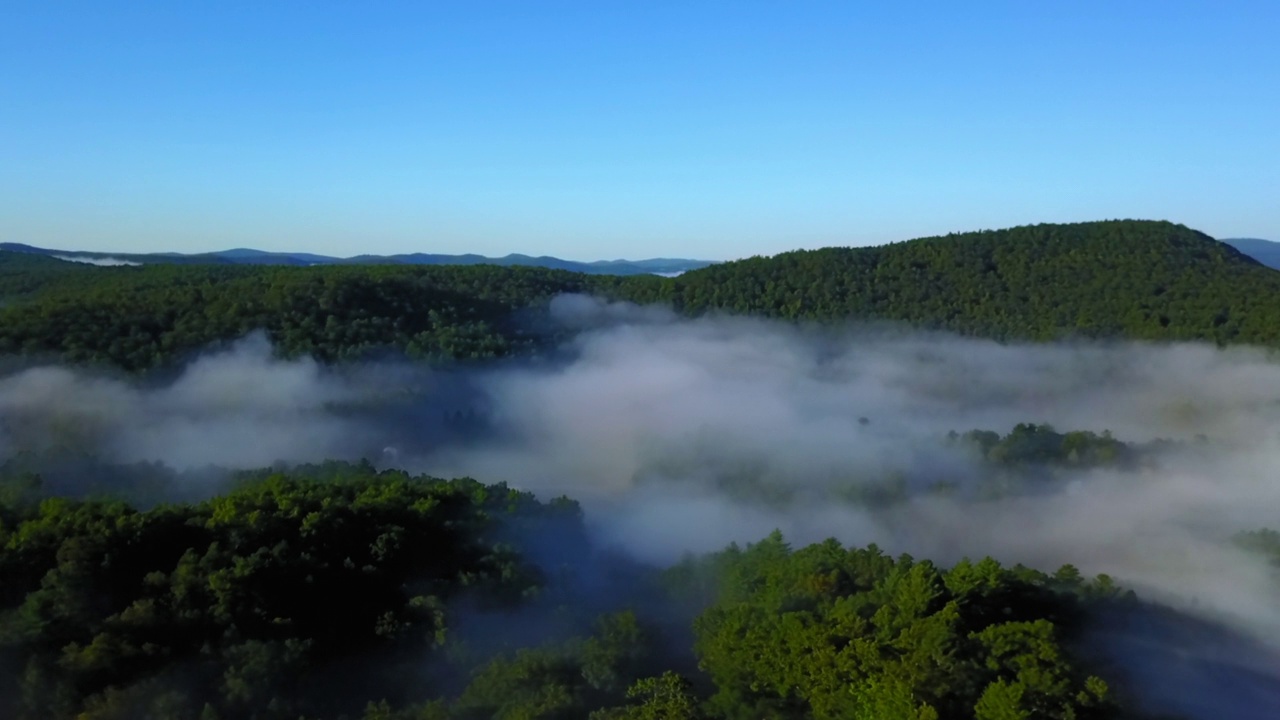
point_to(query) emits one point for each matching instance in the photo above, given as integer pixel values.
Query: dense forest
(145, 317)
(364, 591)
(342, 591)
(1134, 279)
(1119, 279)
(339, 591)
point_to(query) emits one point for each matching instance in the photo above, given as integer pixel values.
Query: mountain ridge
(252, 256)
(1266, 252)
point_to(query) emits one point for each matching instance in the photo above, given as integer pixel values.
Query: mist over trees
(845, 483)
(338, 590)
(341, 591)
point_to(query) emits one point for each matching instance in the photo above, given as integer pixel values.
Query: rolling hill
(1114, 279)
(1138, 279)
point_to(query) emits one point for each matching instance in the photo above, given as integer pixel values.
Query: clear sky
(604, 129)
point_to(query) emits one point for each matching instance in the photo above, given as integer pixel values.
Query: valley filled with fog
(679, 436)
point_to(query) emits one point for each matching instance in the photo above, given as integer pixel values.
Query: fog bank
(684, 435)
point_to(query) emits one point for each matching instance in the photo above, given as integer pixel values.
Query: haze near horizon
(713, 131)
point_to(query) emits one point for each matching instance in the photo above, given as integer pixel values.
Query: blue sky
(610, 129)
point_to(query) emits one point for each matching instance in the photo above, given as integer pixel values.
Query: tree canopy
(1135, 279)
(336, 591)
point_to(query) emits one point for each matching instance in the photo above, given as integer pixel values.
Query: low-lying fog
(656, 424)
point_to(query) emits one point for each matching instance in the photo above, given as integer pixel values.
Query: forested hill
(22, 274)
(147, 317)
(1138, 279)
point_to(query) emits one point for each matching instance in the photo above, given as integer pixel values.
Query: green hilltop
(1124, 278)
(1152, 280)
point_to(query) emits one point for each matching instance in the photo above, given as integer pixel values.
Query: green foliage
(334, 591)
(255, 599)
(141, 318)
(667, 697)
(567, 679)
(825, 632)
(1030, 444)
(1135, 279)
(331, 591)
(24, 274)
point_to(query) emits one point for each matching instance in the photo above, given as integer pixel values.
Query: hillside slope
(148, 317)
(22, 274)
(1139, 279)
(1266, 252)
(1135, 279)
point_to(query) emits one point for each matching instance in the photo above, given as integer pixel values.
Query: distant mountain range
(249, 256)
(1266, 252)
